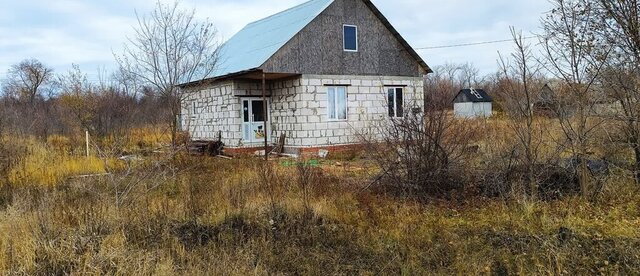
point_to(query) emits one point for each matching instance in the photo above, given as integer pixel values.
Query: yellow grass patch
(47, 166)
(142, 138)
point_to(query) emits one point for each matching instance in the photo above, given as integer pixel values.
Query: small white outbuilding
(473, 103)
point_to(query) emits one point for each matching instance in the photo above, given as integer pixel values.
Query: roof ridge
(282, 12)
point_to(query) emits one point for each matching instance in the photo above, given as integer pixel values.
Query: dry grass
(143, 138)
(216, 216)
(44, 165)
(51, 163)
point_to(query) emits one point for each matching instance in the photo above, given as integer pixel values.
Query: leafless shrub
(306, 177)
(520, 83)
(511, 181)
(422, 154)
(133, 177)
(269, 184)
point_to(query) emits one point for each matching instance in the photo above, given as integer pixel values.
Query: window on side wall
(195, 108)
(337, 103)
(350, 36)
(396, 102)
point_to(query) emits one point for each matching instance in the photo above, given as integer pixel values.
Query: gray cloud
(62, 32)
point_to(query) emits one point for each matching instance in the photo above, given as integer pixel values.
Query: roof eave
(218, 78)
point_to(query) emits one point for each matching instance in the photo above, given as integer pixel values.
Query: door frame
(251, 122)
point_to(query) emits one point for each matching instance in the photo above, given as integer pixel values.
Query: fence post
(86, 137)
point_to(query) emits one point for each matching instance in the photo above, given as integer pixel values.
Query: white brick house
(333, 69)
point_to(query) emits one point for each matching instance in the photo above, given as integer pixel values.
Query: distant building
(544, 103)
(473, 103)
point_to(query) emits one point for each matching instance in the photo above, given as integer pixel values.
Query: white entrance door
(253, 120)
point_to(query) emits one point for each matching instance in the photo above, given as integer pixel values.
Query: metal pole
(264, 115)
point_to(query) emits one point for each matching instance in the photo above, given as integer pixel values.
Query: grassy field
(172, 214)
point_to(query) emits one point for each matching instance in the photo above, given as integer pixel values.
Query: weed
(197, 215)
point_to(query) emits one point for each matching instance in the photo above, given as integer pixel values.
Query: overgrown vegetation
(547, 186)
(422, 154)
(217, 216)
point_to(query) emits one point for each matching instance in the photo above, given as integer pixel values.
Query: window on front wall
(195, 108)
(337, 103)
(350, 36)
(396, 102)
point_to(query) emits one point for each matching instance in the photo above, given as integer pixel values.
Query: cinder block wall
(299, 108)
(217, 109)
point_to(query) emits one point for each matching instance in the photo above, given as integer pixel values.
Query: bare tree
(27, 80)
(127, 82)
(447, 80)
(469, 75)
(170, 48)
(620, 29)
(568, 43)
(26, 93)
(77, 97)
(519, 86)
(441, 83)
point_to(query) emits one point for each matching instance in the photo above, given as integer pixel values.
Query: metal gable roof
(257, 42)
(476, 95)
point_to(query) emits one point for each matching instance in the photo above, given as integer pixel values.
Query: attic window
(350, 34)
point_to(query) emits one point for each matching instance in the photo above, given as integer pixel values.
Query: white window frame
(395, 97)
(344, 38)
(335, 104)
(194, 108)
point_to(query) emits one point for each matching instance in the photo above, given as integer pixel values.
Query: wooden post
(86, 138)
(264, 115)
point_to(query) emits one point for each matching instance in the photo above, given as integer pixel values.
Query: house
(557, 99)
(472, 103)
(330, 70)
(544, 102)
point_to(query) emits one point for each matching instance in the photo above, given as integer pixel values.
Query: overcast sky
(62, 32)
